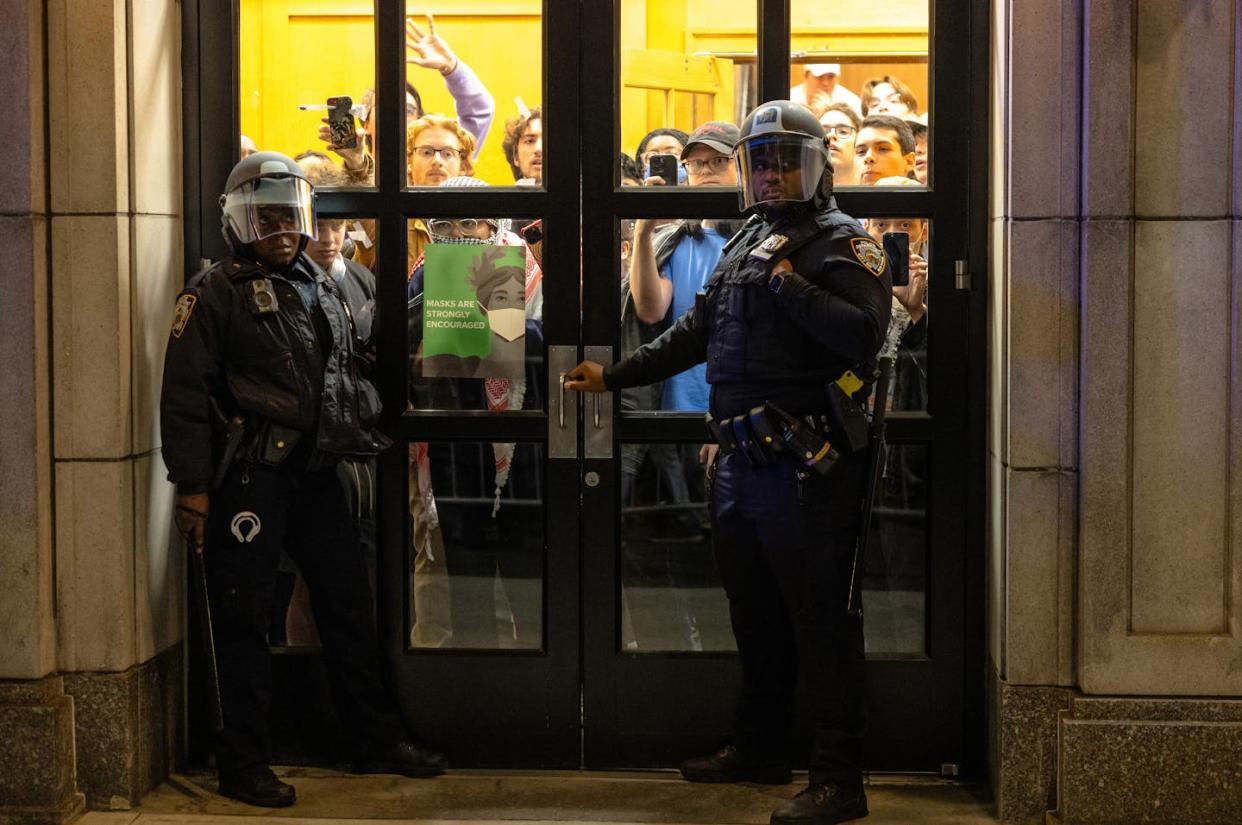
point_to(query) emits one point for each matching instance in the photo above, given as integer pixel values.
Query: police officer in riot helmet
(263, 394)
(790, 326)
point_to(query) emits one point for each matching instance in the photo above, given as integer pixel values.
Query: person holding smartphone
(474, 104)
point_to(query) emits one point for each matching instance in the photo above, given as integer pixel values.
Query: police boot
(728, 765)
(822, 803)
(258, 786)
(404, 758)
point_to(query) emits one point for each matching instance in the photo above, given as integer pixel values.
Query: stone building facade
(1114, 517)
(90, 220)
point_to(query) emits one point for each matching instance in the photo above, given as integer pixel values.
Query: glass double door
(545, 588)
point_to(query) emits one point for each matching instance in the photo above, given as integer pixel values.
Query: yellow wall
(304, 51)
(867, 31)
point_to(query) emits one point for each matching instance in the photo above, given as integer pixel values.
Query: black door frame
(653, 709)
(959, 44)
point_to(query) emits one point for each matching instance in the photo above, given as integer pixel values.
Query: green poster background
(453, 323)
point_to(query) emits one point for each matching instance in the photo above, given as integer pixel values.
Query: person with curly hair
(523, 147)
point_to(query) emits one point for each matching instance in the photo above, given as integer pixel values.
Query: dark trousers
(305, 514)
(784, 549)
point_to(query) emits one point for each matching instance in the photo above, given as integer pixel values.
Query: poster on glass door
(474, 311)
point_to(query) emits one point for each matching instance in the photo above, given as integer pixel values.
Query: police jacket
(233, 351)
(829, 315)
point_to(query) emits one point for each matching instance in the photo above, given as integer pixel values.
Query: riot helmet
(782, 161)
(267, 194)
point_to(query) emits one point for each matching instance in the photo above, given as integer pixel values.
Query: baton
(203, 602)
(875, 464)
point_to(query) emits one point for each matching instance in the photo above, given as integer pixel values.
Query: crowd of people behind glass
(876, 136)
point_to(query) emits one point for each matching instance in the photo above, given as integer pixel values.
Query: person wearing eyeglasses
(453, 604)
(669, 264)
(438, 148)
(474, 104)
(841, 124)
(671, 261)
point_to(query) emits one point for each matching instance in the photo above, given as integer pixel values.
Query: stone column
(90, 202)
(1115, 511)
(1033, 466)
(37, 775)
(114, 113)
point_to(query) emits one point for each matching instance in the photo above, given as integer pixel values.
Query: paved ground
(536, 798)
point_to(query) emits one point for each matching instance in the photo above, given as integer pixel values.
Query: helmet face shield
(267, 206)
(780, 169)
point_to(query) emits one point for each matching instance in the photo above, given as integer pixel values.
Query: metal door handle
(560, 412)
(562, 403)
(597, 440)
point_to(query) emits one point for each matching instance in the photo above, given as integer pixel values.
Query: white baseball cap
(821, 69)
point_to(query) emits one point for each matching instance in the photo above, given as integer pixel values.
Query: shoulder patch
(870, 255)
(181, 315)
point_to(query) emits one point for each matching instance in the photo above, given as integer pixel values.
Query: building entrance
(545, 589)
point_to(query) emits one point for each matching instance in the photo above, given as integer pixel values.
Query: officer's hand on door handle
(586, 377)
(190, 517)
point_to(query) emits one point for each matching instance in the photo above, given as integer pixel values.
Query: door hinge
(961, 274)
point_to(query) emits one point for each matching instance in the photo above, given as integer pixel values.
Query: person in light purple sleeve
(475, 105)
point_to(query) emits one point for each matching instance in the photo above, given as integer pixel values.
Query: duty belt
(764, 434)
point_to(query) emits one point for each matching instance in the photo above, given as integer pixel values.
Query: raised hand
(428, 50)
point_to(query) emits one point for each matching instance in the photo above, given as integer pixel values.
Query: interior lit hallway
(482, 797)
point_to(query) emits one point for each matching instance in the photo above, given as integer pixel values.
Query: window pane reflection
(477, 554)
(856, 66)
(307, 81)
(294, 99)
(475, 315)
(895, 576)
(671, 597)
(665, 262)
(907, 243)
(479, 74)
(682, 65)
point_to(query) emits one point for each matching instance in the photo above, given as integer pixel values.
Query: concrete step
(539, 798)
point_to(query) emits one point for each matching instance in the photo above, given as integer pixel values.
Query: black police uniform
(275, 348)
(783, 537)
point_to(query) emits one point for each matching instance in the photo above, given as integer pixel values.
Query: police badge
(870, 255)
(770, 246)
(181, 315)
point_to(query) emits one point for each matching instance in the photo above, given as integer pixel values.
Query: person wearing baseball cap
(670, 262)
(819, 88)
